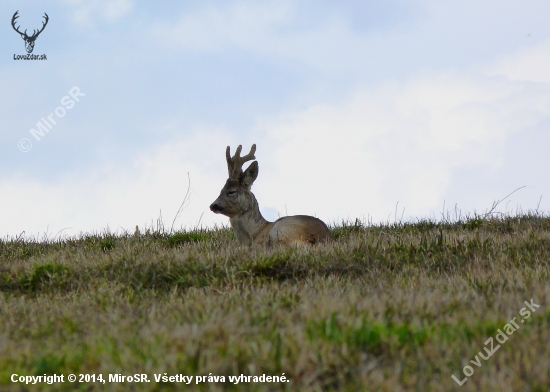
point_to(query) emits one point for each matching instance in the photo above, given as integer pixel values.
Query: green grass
(386, 307)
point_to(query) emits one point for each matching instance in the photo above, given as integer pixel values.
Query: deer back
(298, 229)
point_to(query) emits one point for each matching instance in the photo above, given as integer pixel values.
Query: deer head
(235, 197)
(29, 40)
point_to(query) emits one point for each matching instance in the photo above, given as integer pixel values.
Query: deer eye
(232, 192)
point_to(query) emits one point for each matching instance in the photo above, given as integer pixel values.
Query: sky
(380, 111)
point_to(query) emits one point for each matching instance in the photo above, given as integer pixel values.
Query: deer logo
(29, 40)
(238, 203)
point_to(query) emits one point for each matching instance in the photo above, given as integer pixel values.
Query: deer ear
(250, 174)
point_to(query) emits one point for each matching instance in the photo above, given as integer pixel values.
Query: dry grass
(393, 308)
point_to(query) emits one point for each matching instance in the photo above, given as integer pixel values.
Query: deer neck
(250, 226)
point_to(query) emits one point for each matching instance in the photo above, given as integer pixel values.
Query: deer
(29, 40)
(237, 202)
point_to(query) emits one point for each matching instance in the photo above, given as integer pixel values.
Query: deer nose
(215, 207)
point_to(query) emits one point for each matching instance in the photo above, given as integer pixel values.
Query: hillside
(386, 307)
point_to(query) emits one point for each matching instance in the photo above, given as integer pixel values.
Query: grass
(396, 307)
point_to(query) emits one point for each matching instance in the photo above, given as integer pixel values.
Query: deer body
(238, 203)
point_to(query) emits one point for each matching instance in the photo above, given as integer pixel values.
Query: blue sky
(355, 106)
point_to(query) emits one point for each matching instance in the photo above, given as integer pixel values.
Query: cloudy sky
(358, 109)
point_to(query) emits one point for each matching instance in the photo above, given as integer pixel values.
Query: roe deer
(238, 203)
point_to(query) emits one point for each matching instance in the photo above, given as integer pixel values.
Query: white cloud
(430, 34)
(273, 30)
(402, 141)
(85, 12)
(397, 143)
(528, 64)
(121, 197)
(212, 29)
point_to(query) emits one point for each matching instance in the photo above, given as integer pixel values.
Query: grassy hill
(398, 307)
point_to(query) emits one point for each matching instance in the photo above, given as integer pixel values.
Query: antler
(13, 20)
(35, 34)
(235, 164)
